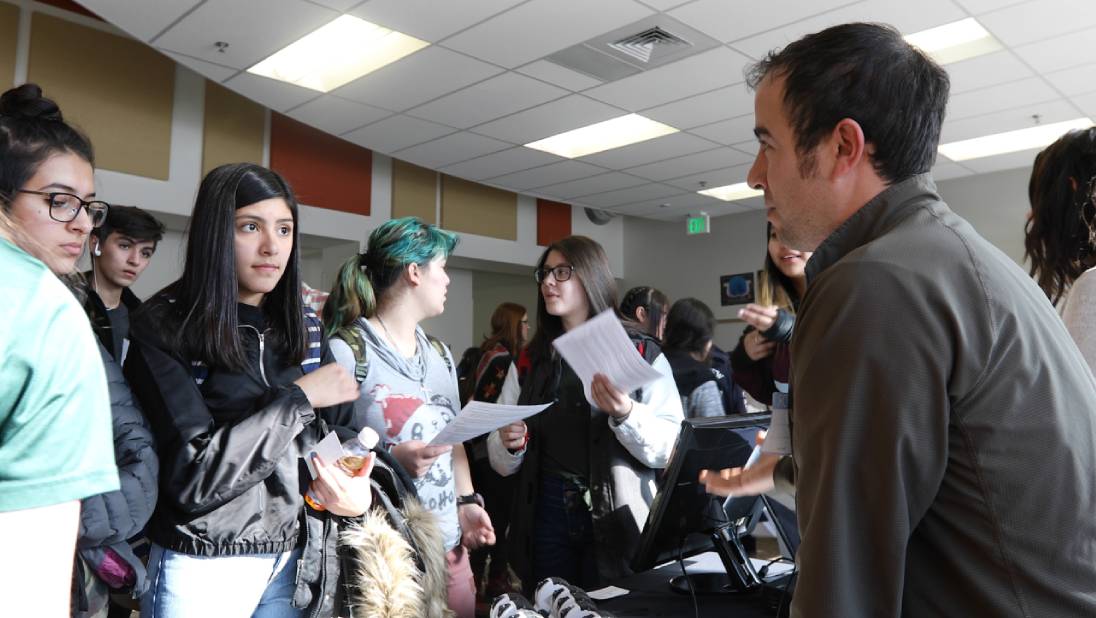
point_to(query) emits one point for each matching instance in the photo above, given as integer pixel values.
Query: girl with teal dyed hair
(408, 382)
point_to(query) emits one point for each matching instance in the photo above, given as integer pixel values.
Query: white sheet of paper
(606, 593)
(600, 345)
(478, 418)
(329, 449)
(779, 437)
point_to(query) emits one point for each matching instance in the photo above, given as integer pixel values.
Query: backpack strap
(354, 339)
(439, 347)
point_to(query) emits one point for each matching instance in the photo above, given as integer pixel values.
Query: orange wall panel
(323, 170)
(553, 221)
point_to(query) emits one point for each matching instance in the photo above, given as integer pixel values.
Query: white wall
(492, 289)
(995, 204)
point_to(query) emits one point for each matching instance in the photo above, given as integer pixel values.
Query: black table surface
(649, 594)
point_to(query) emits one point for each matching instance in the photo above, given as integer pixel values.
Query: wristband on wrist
(470, 499)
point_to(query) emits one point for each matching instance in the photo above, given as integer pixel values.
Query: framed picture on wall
(736, 289)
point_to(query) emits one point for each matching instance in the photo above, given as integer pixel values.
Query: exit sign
(699, 224)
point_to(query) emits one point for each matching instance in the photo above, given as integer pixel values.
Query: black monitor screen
(683, 515)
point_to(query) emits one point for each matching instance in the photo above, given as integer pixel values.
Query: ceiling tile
(396, 133)
(664, 5)
(630, 195)
(690, 164)
(1062, 52)
(549, 119)
(337, 116)
(548, 175)
(548, 71)
(1086, 103)
(451, 149)
(1001, 97)
(487, 100)
(1016, 25)
(540, 27)
(977, 7)
(428, 19)
(908, 17)
(945, 170)
(1013, 160)
(707, 71)
(215, 72)
(143, 20)
(713, 178)
(705, 108)
(1077, 80)
(729, 21)
(665, 147)
(676, 204)
(991, 69)
(593, 184)
(416, 79)
(220, 20)
(278, 96)
(338, 5)
(1049, 112)
(733, 131)
(499, 163)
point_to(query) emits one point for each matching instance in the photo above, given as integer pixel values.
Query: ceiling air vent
(632, 49)
(651, 43)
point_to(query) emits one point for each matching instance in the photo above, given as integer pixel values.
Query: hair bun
(26, 101)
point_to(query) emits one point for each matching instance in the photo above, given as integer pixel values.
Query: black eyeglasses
(64, 207)
(561, 273)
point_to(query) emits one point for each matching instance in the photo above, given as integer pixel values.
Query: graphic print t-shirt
(401, 406)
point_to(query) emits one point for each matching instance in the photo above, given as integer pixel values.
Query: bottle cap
(368, 437)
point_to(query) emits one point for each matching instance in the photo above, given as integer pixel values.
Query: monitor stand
(740, 576)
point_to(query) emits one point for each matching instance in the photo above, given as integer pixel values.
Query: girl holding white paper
(586, 469)
(227, 366)
(408, 386)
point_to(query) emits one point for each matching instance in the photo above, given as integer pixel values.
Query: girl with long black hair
(239, 387)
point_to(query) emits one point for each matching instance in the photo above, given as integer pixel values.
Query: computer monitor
(684, 520)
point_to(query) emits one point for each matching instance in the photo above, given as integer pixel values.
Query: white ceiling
(465, 104)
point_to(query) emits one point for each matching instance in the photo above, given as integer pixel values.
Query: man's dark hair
(868, 73)
(130, 221)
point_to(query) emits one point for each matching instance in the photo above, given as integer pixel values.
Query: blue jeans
(563, 535)
(185, 586)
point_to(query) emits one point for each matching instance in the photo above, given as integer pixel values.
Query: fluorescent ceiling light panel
(1011, 141)
(338, 53)
(613, 133)
(731, 193)
(956, 41)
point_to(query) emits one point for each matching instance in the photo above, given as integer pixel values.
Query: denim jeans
(563, 539)
(185, 586)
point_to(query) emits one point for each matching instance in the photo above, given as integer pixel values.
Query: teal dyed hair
(364, 279)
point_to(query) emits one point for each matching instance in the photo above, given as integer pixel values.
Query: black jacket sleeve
(204, 464)
(755, 377)
(116, 516)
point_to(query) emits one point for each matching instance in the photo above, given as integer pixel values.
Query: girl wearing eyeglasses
(238, 392)
(47, 181)
(586, 469)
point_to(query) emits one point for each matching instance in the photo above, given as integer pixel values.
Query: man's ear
(850, 149)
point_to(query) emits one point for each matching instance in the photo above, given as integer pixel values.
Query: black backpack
(466, 373)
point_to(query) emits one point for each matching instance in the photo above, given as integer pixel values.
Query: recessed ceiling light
(338, 53)
(613, 133)
(956, 41)
(731, 193)
(1011, 141)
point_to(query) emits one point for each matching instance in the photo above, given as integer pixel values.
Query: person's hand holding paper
(600, 346)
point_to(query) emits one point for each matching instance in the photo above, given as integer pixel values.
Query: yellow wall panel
(234, 128)
(118, 90)
(478, 209)
(9, 36)
(414, 191)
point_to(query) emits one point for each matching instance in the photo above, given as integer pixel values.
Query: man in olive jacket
(943, 422)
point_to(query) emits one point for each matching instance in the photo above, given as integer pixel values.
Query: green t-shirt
(56, 442)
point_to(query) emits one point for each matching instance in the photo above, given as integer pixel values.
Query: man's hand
(475, 525)
(752, 481)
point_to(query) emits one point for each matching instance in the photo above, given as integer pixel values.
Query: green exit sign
(698, 224)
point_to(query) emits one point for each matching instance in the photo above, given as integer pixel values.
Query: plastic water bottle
(355, 453)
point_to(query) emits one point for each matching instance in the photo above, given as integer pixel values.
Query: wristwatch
(470, 499)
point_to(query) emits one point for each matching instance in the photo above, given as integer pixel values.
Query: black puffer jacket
(109, 520)
(232, 475)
